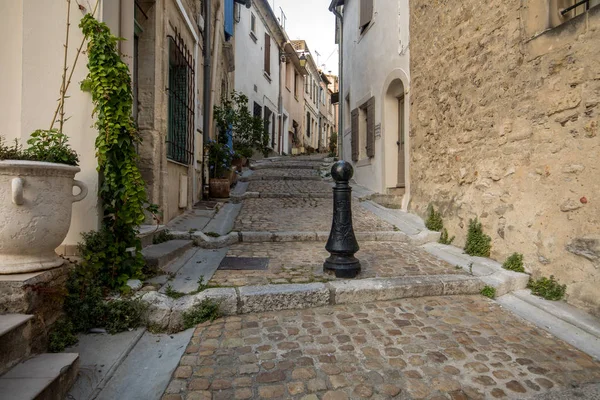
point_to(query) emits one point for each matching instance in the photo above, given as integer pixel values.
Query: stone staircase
(26, 376)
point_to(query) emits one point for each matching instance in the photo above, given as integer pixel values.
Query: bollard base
(342, 266)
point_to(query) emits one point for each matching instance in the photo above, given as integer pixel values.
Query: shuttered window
(354, 138)
(267, 54)
(366, 13)
(371, 127)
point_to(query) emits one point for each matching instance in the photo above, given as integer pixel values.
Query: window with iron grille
(180, 135)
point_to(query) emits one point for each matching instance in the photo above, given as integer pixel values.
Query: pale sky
(311, 20)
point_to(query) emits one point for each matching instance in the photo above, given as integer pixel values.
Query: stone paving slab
(292, 187)
(301, 214)
(302, 262)
(459, 347)
(282, 173)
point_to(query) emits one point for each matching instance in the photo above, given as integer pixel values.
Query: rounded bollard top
(342, 171)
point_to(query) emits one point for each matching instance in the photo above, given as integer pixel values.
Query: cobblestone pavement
(291, 187)
(286, 172)
(459, 347)
(301, 214)
(302, 262)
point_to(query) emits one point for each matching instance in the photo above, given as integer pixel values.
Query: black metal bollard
(342, 244)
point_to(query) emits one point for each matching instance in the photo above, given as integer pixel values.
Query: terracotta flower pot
(219, 188)
(35, 213)
(239, 163)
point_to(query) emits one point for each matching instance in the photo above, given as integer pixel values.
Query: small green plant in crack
(548, 288)
(205, 310)
(61, 336)
(514, 263)
(488, 291)
(470, 268)
(212, 234)
(434, 220)
(163, 236)
(172, 293)
(478, 243)
(396, 229)
(444, 239)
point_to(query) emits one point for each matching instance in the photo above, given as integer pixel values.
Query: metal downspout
(341, 86)
(206, 96)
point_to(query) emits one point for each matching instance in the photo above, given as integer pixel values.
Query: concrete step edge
(166, 313)
(563, 311)
(571, 334)
(10, 322)
(49, 375)
(159, 255)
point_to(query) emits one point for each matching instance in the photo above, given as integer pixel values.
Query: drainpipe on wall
(206, 96)
(341, 99)
(280, 105)
(214, 65)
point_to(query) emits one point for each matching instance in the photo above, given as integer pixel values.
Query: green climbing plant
(122, 188)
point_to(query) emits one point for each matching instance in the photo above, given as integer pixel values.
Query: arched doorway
(395, 123)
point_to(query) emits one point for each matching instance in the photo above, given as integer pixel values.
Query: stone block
(282, 297)
(294, 236)
(257, 237)
(226, 297)
(458, 284)
(391, 236)
(159, 309)
(378, 289)
(206, 242)
(159, 255)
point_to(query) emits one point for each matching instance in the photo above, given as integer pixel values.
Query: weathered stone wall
(504, 126)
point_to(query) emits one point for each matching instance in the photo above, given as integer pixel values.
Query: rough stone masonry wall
(505, 127)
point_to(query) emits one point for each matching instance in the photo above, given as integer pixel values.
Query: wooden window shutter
(354, 138)
(366, 12)
(267, 54)
(371, 127)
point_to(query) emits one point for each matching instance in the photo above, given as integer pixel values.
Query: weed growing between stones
(478, 243)
(488, 291)
(444, 239)
(162, 237)
(172, 293)
(434, 220)
(61, 336)
(205, 310)
(514, 263)
(435, 223)
(548, 288)
(212, 234)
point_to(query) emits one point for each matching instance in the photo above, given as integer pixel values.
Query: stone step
(15, 330)
(559, 327)
(195, 264)
(159, 255)
(148, 232)
(43, 377)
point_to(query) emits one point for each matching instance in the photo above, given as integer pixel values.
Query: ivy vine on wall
(122, 189)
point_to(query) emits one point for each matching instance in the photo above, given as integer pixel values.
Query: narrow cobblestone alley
(432, 347)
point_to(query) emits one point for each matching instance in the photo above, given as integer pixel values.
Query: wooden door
(401, 170)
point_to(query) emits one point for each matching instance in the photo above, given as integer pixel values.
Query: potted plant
(219, 160)
(36, 190)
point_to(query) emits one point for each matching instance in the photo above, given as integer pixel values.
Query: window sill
(288, 89)
(253, 36)
(267, 76)
(363, 163)
(178, 163)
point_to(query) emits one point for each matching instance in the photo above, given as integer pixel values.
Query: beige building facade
(162, 46)
(504, 116)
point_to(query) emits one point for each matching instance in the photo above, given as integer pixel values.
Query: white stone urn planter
(36, 199)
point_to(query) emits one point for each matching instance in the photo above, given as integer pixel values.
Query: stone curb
(238, 198)
(489, 271)
(284, 165)
(207, 242)
(165, 313)
(278, 178)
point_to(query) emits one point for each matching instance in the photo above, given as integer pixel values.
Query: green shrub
(123, 315)
(434, 220)
(549, 289)
(444, 237)
(206, 310)
(61, 336)
(478, 243)
(163, 236)
(488, 291)
(514, 263)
